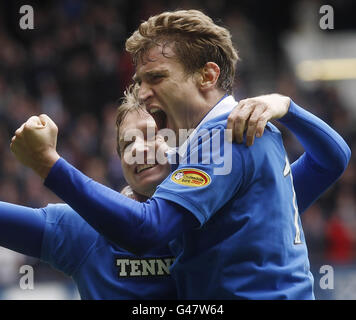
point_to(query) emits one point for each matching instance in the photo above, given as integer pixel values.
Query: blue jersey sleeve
(208, 176)
(134, 226)
(325, 159)
(21, 228)
(67, 238)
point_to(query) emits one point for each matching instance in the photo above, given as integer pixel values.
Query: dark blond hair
(129, 103)
(197, 40)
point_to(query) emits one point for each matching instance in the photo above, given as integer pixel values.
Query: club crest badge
(191, 177)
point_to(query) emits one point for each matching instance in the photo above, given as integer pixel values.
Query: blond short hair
(197, 40)
(130, 102)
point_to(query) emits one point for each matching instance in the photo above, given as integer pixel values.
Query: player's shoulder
(272, 128)
(62, 222)
(219, 122)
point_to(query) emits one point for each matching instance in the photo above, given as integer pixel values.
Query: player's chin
(152, 180)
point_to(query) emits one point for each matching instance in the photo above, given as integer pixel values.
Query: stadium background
(73, 67)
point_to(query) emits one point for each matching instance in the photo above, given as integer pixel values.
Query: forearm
(132, 225)
(322, 143)
(326, 155)
(310, 181)
(21, 229)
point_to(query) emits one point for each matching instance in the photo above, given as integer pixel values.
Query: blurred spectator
(314, 224)
(340, 232)
(10, 263)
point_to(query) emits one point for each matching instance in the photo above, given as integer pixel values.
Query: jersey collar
(225, 105)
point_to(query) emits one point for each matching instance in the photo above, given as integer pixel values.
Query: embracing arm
(22, 228)
(326, 153)
(325, 159)
(135, 226)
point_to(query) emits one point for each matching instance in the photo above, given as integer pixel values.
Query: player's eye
(126, 144)
(156, 78)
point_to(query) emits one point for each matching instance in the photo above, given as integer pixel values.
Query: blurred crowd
(74, 68)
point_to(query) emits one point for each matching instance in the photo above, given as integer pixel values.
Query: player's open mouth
(143, 167)
(159, 116)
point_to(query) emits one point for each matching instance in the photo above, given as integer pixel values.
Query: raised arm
(21, 229)
(325, 158)
(137, 227)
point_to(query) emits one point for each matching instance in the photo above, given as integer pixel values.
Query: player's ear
(209, 75)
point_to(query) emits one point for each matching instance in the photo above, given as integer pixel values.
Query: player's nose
(145, 92)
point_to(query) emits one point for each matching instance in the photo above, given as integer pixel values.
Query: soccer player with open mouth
(238, 233)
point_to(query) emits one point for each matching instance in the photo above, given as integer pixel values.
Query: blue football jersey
(250, 243)
(100, 269)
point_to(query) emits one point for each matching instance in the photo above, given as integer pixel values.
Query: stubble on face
(176, 94)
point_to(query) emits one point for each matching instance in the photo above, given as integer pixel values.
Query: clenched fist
(252, 115)
(34, 144)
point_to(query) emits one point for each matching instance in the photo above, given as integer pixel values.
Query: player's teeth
(154, 110)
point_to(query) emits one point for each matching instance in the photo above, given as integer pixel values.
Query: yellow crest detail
(191, 177)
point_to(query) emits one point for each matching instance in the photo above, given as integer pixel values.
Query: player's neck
(211, 98)
(140, 197)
